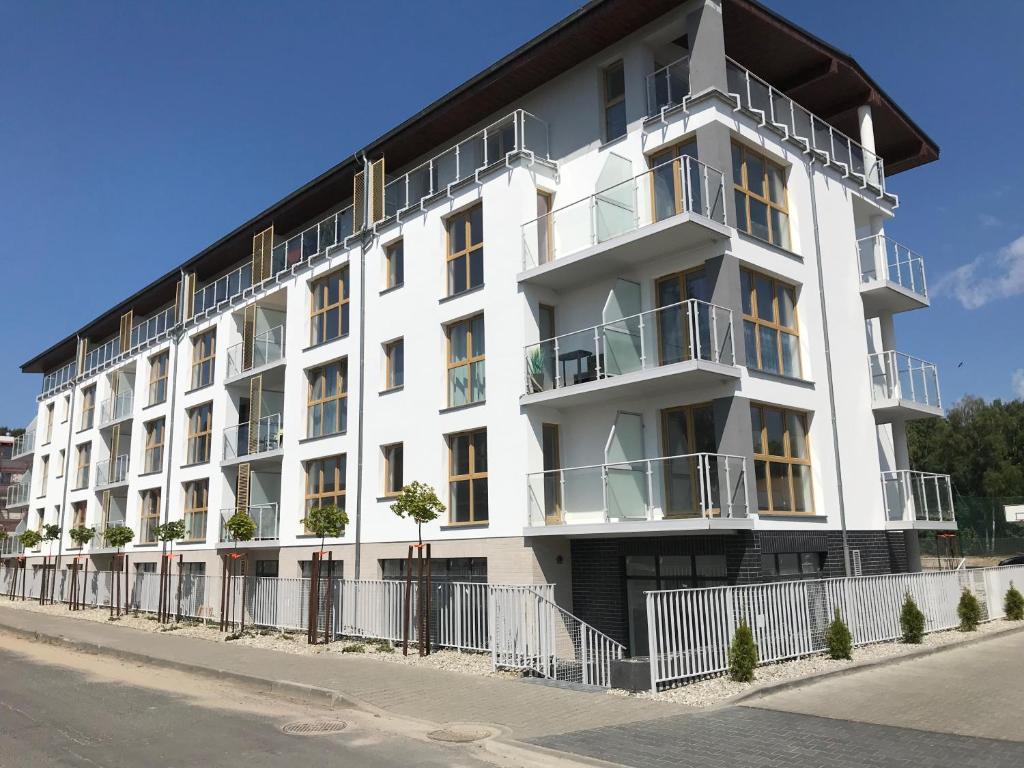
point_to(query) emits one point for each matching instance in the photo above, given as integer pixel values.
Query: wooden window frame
(691, 438)
(196, 490)
(61, 460)
(553, 508)
(158, 365)
(469, 477)
(678, 197)
(389, 368)
(388, 452)
(200, 358)
(88, 408)
(754, 318)
(744, 188)
(79, 513)
(394, 253)
(468, 363)
(149, 514)
(152, 445)
(465, 219)
(49, 423)
(84, 449)
(312, 402)
(338, 464)
(201, 436)
(319, 294)
(45, 467)
(762, 456)
(608, 103)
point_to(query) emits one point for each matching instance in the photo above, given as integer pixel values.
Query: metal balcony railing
(152, 328)
(24, 444)
(804, 128)
(683, 185)
(896, 376)
(688, 330)
(116, 408)
(12, 546)
(59, 378)
(267, 348)
(18, 494)
(882, 258)
(912, 496)
(240, 442)
(265, 516)
(668, 87)
(112, 471)
(697, 485)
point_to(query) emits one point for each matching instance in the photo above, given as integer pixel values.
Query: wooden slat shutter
(104, 511)
(248, 336)
(242, 488)
(262, 245)
(126, 330)
(255, 407)
(377, 191)
(358, 202)
(115, 438)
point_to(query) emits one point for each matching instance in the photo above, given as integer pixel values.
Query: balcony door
(686, 431)
(673, 189)
(678, 324)
(551, 445)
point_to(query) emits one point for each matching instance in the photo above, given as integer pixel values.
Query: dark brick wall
(880, 552)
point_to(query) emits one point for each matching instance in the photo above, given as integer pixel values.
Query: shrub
(911, 621)
(742, 655)
(969, 611)
(838, 639)
(354, 648)
(1013, 604)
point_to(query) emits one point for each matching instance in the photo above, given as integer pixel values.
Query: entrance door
(686, 431)
(626, 470)
(677, 323)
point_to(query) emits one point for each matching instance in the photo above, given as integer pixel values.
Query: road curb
(771, 688)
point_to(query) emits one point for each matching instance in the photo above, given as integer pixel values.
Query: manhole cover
(460, 735)
(314, 727)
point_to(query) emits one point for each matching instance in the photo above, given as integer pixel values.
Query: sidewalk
(525, 710)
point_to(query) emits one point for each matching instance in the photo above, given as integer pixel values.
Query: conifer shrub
(838, 639)
(969, 611)
(742, 655)
(911, 621)
(1013, 604)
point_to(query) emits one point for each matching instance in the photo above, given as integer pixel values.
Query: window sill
(392, 288)
(389, 390)
(465, 406)
(195, 464)
(200, 388)
(464, 526)
(150, 473)
(154, 405)
(760, 374)
(467, 292)
(387, 498)
(143, 544)
(185, 542)
(612, 142)
(322, 344)
(777, 248)
(305, 440)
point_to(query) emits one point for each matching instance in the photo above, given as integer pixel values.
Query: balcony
(668, 87)
(19, 493)
(24, 444)
(267, 349)
(671, 207)
(116, 409)
(918, 500)
(699, 491)
(903, 388)
(266, 517)
(11, 546)
(243, 443)
(688, 343)
(54, 382)
(110, 472)
(891, 277)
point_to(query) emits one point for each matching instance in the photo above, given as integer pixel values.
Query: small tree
(241, 526)
(82, 535)
(326, 521)
(30, 539)
(911, 621)
(51, 533)
(742, 654)
(1013, 604)
(969, 611)
(168, 533)
(322, 521)
(118, 536)
(838, 639)
(418, 501)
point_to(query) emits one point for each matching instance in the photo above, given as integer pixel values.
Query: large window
(88, 407)
(614, 91)
(150, 516)
(329, 308)
(686, 431)
(675, 185)
(394, 364)
(203, 350)
(760, 189)
(158, 378)
(325, 483)
(394, 460)
(327, 406)
(394, 258)
(154, 458)
(467, 477)
(84, 461)
(200, 426)
(782, 460)
(466, 375)
(196, 498)
(770, 324)
(78, 512)
(466, 250)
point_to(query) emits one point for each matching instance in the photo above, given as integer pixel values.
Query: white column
(887, 331)
(901, 454)
(867, 140)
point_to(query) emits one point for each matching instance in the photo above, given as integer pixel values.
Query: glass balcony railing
(116, 408)
(101, 355)
(917, 496)
(683, 185)
(697, 485)
(18, 494)
(896, 376)
(151, 328)
(11, 546)
(24, 444)
(265, 516)
(239, 441)
(59, 378)
(668, 87)
(812, 133)
(688, 330)
(267, 348)
(312, 241)
(112, 471)
(882, 258)
(222, 289)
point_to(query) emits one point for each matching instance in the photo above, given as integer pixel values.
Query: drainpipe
(169, 442)
(66, 472)
(362, 363)
(828, 368)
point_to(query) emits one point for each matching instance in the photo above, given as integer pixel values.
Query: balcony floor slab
(689, 525)
(256, 460)
(894, 410)
(885, 296)
(920, 525)
(243, 377)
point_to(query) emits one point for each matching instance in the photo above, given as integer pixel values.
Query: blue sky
(133, 135)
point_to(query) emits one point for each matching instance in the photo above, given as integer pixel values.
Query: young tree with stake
(418, 502)
(81, 535)
(167, 533)
(51, 533)
(240, 527)
(323, 521)
(118, 536)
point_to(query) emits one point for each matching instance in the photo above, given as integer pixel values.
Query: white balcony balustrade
(116, 408)
(18, 494)
(24, 444)
(267, 348)
(265, 516)
(903, 387)
(700, 486)
(668, 87)
(681, 186)
(112, 471)
(12, 546)
(241, 440)
(52, 382)
(918, 497)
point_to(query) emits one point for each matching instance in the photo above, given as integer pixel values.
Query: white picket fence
(689, 630)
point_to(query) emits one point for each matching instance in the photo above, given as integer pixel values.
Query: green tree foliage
(82, 535)
(326, 521)
(838, 639)
(911, 621)
(418, 501)
(171, 531)
(3, 535)
(241, 526)
(969, 611)
(1013, 604)
(51, 532)
(30, 539)
(118, 536)
(742, 654)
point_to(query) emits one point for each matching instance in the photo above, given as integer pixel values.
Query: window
(200, 424)
(770, 325)
(329, 315)
(466, 250)
(394, 456)
(467, 477)
(782, 463)
(84, 459)
(545, 240)
(327, 409)
(60, 463)
(466, 375)
(45, 467)
(203, 351)
(614, 78)
(150, 516)
(158, 378)
(760, 190)
(552, 456)
(325, 483)
(154, 458)
(686, 431)
(394, 361)
(684, 330)
(78, 510)
(196, 499)
(792, 565)
(49, 423)
(677, 185)
(66, 413)
(88, 406)
(394, 258)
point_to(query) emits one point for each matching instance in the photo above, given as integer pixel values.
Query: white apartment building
(625, 299)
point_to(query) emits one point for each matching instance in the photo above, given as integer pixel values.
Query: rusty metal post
(426, 610)
(407, 615)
